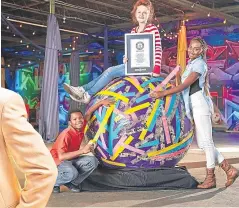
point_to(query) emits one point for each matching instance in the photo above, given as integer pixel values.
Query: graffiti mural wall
(27, 82)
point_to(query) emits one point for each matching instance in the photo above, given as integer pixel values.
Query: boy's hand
(87, 148)
(107, 102)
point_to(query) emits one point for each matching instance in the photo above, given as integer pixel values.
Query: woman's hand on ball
(157, 94)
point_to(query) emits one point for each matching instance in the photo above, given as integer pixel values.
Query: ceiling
(91, 16)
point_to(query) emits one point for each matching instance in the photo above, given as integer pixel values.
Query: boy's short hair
(74, 111)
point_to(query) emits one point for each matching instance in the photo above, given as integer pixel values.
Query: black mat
(104, 179)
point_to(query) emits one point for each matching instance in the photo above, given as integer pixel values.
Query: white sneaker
(76, 93)
(86, 98)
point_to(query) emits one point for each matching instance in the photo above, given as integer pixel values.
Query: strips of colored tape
(113, 94)
(121, 147)
(149, 120)
(166, 130)
(170, 155)
(168, 78)
(104, 122)
(113, 163)
(101, 152)
(135, 82)
(158, 152)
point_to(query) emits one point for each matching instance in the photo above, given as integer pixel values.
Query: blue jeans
(75, 171)
(108, 75)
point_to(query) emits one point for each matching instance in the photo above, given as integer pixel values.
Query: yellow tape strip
(151, 154)
(121, 148)
(151, 86)
(149, 120)
(167, 102)
(113, 163)
(137, 108)
(139, 88)
(113, 94)
(104, 122)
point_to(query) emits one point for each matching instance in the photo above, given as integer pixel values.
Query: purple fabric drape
(49, 107)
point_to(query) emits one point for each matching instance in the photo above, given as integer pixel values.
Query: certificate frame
(143, 46)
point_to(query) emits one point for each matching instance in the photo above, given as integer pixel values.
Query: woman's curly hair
(146, 3)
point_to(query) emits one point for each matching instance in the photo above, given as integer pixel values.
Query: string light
(77, 37)
(20, 41)
(8, 65)
(73, 48)
(8, 27)
(39, 25)
(20, 25)
(14, 35)
(225, 21)
(27, 46)
(113, 51)
(100, 52)
(86, 51)
(70, 45)
(29, 62)
(66, 49)
(34, 33)
(209, 14)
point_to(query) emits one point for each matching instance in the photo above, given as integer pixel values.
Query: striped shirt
(151, 28)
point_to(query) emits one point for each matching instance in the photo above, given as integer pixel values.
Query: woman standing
(195, 89)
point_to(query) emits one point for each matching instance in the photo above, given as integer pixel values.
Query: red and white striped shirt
(151, 28)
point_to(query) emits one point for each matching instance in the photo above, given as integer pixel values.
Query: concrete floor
(227, 143)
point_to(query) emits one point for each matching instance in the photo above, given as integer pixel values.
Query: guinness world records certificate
(140, 52)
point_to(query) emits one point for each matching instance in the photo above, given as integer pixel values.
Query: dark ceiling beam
(109, 5)
(42, 12)
(203, 10)
(229, 9)
(84, 10)
(178, 16)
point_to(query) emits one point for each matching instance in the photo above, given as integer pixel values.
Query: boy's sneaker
(76, 93)
(73, 187)
(56, 189)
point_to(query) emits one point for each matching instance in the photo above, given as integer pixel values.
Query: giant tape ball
(138, 131)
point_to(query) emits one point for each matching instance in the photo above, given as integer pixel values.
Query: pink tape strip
(170, 155)
(120, 143)
(103, 141)
(166, 130)
(133, 149)
(100, 111)
(101, 152)
(168, 78)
